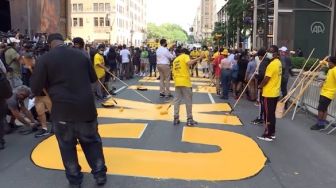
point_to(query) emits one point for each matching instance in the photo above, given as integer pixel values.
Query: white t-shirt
(163, 56)
(124, 53)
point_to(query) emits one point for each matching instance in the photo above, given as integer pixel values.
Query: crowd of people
(63, 80)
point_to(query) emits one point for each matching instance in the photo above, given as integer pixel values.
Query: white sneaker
(265, 138)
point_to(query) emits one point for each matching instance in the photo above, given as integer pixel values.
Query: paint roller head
(107, 105)
(164, 113)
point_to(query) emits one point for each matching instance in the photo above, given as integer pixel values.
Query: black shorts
(324, 103)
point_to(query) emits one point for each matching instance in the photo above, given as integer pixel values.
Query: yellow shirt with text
(181, 71)
(274, 72)
(329, 87)
(99, 59)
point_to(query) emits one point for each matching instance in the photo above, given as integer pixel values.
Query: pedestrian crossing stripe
(238, 157)
(203, 113)
(198, 89)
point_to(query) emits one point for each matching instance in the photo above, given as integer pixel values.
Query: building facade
(204, 20)
(112, 21)
(39, 16)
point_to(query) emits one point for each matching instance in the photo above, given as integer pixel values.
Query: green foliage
(236, 10)
(298, 62)
(171, 32)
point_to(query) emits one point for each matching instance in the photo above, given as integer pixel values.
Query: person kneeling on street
(17, 110)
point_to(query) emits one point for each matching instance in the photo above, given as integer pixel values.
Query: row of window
(101, 7)
(77, 7)
(101, 22)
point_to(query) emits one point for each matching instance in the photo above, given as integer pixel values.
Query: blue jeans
(67, 134)
(226, 82)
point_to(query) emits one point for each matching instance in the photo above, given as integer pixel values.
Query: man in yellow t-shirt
(183, 89)
(327, 95)
(99, 67)
(193, 55)
(205, 62)
(271, 88)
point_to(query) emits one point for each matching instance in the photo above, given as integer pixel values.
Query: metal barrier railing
(311, 98)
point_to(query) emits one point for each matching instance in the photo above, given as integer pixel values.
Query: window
(80, 7)
(95, 20)
(80, 22)
(95, 7)
(107, 7)
(101, 21)
(107, 22)
(75, 22)
(101, 7)
(74, 7)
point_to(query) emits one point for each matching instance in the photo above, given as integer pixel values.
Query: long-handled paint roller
(280, 107)
(312, 76)
(248, 83)
(128, 85)
(302, 70)
(104, 104)
(166, 111)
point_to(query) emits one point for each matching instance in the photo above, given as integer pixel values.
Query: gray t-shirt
(14, 103)
(286, 66)
(251, 68)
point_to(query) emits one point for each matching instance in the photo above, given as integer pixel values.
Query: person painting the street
(271, 88)
(205, 62)
(99, 66)
(67, 76)
(327, 94)
(194, 54)
(183, 87)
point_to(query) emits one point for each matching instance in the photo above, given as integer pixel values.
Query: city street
(144, 150)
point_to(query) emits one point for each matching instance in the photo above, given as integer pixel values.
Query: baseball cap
(284, 49)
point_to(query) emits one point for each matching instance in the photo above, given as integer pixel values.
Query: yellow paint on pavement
(198, 89)
(146, 111)
(239, 157)
(158, 81)
(192, 79)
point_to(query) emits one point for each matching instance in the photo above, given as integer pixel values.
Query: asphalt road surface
(298, 158)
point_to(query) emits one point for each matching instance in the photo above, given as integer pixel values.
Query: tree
(238, 11)
(171, 32)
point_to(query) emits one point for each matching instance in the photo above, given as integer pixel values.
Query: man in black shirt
(67, 76)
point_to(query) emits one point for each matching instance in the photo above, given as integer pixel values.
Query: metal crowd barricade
(310, 100)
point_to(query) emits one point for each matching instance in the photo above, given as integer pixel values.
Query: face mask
(269, 55)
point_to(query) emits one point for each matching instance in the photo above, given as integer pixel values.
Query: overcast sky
(181, 12)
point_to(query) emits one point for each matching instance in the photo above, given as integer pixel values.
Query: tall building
(113, 21)
(39, 16)
(203, 23)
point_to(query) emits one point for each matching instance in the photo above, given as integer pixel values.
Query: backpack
(5, 87)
